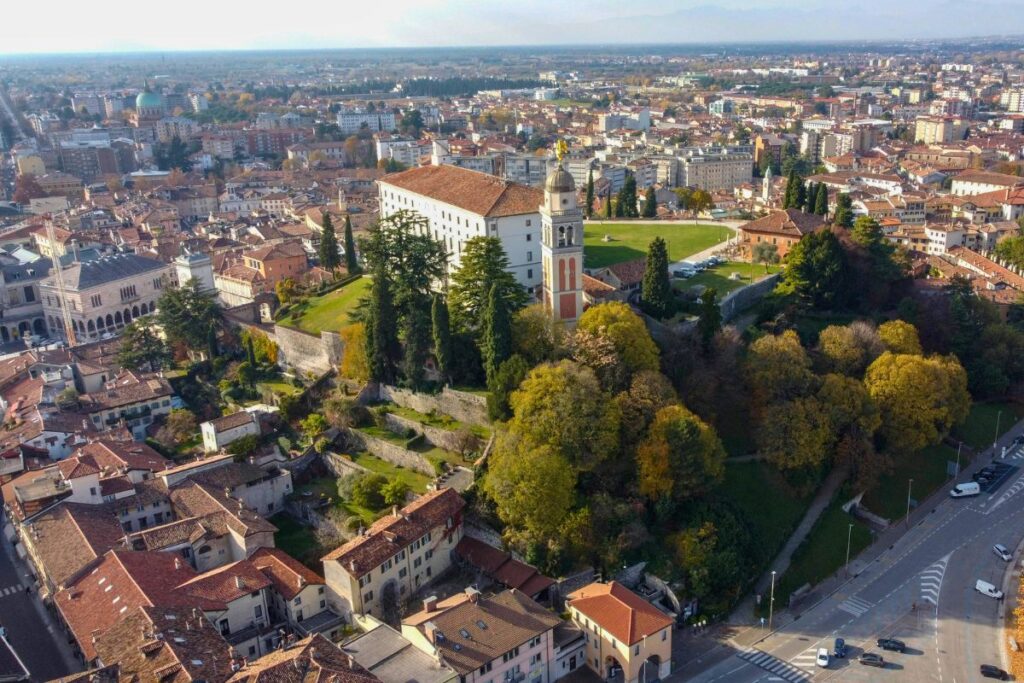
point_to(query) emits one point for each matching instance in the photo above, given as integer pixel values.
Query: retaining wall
(393, 453)
(437, 436)
(340, 467)
(461, 405)
(741, 299)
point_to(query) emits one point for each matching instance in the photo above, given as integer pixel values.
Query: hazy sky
(120, 25)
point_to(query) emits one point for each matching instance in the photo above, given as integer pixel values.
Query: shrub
(243, 445)
(394, 492)
(366, 491)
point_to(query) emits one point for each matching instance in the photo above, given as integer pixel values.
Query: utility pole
(771, 603)
(849, 536)
(910, 485)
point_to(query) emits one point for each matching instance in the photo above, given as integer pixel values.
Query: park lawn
(298, 541)
(979, 430)
(764, 498)
(630, 241)
(331, 311)
(416, 481)
(928, 470)
(279, 387)
(822, 553)
(720, 278)
(439, 421)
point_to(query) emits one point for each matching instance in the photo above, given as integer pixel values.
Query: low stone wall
(437, 436)
(340, 467)
(740, 300)
(462, 406)
(393, 453)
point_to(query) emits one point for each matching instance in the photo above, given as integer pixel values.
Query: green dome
(148, 100)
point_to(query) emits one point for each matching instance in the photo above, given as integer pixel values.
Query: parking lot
(991, 477)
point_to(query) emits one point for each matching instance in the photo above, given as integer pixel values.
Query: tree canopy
(626, 330)
(484, 265)
(681, 457)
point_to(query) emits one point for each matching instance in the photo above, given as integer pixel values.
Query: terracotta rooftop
(473, 191)
(314, 659)
(788, 222)
(288, 575)
(619, 611)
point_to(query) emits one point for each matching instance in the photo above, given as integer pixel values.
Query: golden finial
(561, 149)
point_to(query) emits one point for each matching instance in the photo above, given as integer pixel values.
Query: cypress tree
(590, 193)
(250, 352)
(655, 289)
(496, 345)
(381, 331)
(809, 198)
(789, 197)
(442, 337)
(351, 264)
(417, 344)
(844, 211)
(650, 204)
(710, 320)
(608, 205)
(800, 194)
(328, 245)
(821, 201)
(620, 203)
(211, 342)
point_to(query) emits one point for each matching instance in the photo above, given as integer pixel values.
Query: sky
(123, 26)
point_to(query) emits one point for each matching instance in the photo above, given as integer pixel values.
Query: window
(429, 554)
(367, 597)
(535, 642)
(364, 580)
(535, 659)
(92, 490)
(528, 224)
(529, 256)
(636, 649)
(486, 667)
(258, 611)
(664, 635)
(320, 590)
(401, 573)
(297, 600)
(417, 562)
(323, 604)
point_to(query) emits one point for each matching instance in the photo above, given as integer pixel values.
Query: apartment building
(351, 121)
(716, 169)
(938, 130)
(131, 399)
(397, 555)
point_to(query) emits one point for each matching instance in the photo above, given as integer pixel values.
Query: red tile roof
(619, 611)
(476, 192)
(312, 660)
(288, 575)
(788, 222)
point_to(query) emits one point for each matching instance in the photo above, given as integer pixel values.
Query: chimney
(430, 630)
(239, 583)
(394, 510)
(177, 563)
(430, 603)
(473, 594)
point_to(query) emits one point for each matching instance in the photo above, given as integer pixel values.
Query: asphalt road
(921, 591)
(27, 630)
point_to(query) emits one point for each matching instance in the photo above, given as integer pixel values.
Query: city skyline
(460, 23)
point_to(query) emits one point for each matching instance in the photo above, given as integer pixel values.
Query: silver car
(1001, 552)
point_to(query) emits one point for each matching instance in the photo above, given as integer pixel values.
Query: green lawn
(416, 482)
(720, 277)
(630, 240)
(298, 541)
(329, 312)
(440, 421)
(928, 470)
(822, 553)
(279, 387)
(766, 501)
(980, 428)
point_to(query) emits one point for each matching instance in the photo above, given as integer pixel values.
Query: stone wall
(393, 453)
(740, 300)
(461, 405)
(299, 350)
(437, 436)
(339, 466)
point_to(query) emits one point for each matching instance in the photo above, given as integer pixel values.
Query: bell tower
(562, 245)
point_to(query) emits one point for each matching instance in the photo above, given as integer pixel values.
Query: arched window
(99, 323)
(117, 318)
(91, 327)
(110, 320)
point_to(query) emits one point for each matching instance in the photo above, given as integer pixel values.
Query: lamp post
(910, 485)
(995, 437)
(849, 536)
(958, 447)
(771, 603)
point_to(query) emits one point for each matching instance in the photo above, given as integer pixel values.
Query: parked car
(892, 644)
(822, 658)
(839, 648)
(986, 588)
(970, 488)
(990, 671)
(1002, 552)
(683, 273)
(872, 659)
(691, 265)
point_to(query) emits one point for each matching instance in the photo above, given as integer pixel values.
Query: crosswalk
(10, 590)
(931, 581)
(774, 665)
(1014, 489)
(808, 659)
(855, 606)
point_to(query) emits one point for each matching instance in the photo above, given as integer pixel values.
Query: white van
(986, 588)
(970, 488)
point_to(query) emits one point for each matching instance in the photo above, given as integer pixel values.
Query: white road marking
(855, 606)
(931, 580)
(774, 665)
(806, 660)
(1014, 489)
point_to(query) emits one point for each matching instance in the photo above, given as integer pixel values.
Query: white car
(986, 588)
(823, 657)
(1001, 552)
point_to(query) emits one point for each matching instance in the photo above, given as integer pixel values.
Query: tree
(794, 434)
(821, 200)
(484, 267)
(533, 489)
(608, 204)
(766, 253)
(535, 336)
(285, 290)
(810, 196)
(816, 271)
(313, 425)
(496, 335)
(246, 374)
(366, 490)
(844, 211)
(442, 337)
(650, 204)
(400, 245)
(394, 492)
(416, 335)
(412, 123)
(187, 314)
(562, 405)
(655, 290)
(920, 399)
(250, 351)
(626, 330)
(212, 348)
(710, 317)
(328, 251)
(354, 361)
(627, 199)
(789, 197)
(590, 194)
(648, 392)
(176, 156)
(382, 347)
(507, 379)
(600, 355)
(179, 426)
(901, 337)
(27, 188)
(351, 262)
(778, 368)
(681, 457)
(142, 347)
(849, 349)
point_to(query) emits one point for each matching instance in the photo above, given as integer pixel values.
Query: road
(28, 629)
(920, 590)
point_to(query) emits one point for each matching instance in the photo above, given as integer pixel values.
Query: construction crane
(69, 326)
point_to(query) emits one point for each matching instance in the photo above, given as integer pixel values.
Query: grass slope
(630, 241)
(719, 277)
(329, 312)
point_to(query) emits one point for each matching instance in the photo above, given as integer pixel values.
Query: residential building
(389, 656)
(781, 227)
(396, 556)
(176, 127)
(258, 271)
(219, 432)
(351, 121)
(131, 399)
(937, 130)
(105, 294)
(625, 634)
(299, 598)
(981, 182)
(716, 169)
(317, 658)
(460, 204)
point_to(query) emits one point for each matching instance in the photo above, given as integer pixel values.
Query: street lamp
(771, 603)
(849, 536)
(995, 437)
(958, 447)
(910, 485)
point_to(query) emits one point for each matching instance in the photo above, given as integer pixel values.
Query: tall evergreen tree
(211, 342)
(650, 203)
(351, 263)
(608, 205)
(442, 337)
(789, 197)
(800, 196)
(844, 211)
(250, 352)
(710, 320)
(821, 200)
(329, 259)
(484, 265)
(416, 334)
(810, 197)
(496, 346)
(655, 289)
(629, 198)
(590, 193)
(382, 346)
